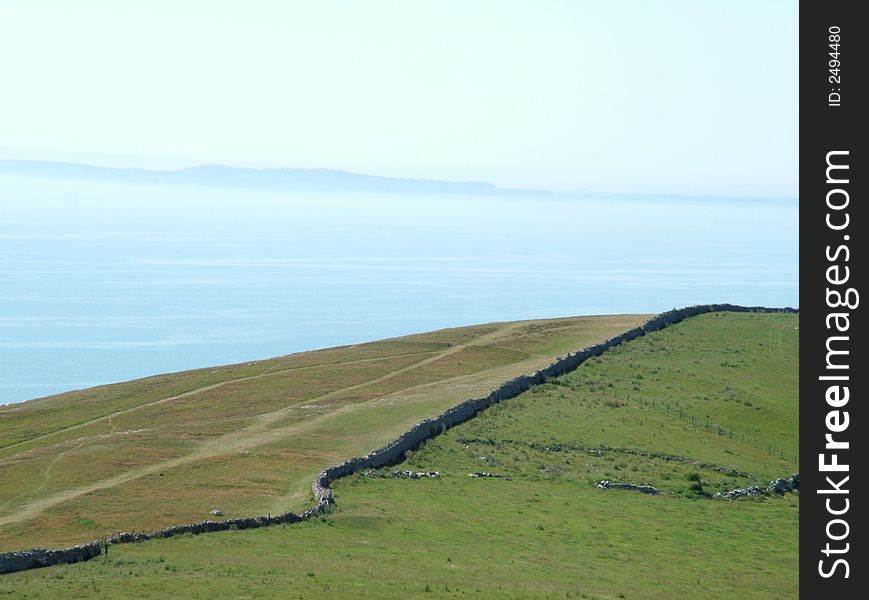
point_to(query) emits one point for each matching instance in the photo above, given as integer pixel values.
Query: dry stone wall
(390, 454)
(40, 557)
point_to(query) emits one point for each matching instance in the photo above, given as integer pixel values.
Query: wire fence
(674, 410)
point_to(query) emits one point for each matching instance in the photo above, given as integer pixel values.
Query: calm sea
(108, 282)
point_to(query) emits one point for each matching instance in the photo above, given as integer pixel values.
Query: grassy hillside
(245, 438)
(706, 405)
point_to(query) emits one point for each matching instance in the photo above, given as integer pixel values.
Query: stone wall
(394, 452)
(40, 557)
(391, 453)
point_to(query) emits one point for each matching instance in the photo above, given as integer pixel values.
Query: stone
(776, 486)
(740, 493)
(643, 489)
(489, 475)
(781, 485)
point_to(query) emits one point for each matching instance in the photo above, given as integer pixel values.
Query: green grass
(246, 438)
(547, 532)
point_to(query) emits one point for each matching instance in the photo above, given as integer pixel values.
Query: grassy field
(703, 406)
(245, 438)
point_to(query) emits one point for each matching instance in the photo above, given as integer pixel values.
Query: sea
(109, 281)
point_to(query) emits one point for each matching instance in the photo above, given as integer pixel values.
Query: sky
(679, 97)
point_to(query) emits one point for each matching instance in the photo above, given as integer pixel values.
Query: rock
(781, 485)
(776, 486)
(740, 493)
(402, 474)
(489, 475)
(609, 485)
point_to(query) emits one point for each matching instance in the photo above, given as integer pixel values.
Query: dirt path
(266, 373)
(257, 434)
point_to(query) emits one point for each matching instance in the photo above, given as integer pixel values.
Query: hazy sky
(666, 96)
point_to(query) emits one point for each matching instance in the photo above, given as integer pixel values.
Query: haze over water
(108, 281)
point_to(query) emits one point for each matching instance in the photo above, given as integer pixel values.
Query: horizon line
(578, 193)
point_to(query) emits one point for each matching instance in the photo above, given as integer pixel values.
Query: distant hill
(224, 176)
(333, 180)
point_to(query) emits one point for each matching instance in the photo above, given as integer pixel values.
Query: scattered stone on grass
(776, 486)
(740, 493)
(402, 474)
(489, 475)
(780, 486)
(609, 485)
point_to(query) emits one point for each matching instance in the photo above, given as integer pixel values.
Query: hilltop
(246, 438)
(511, 503)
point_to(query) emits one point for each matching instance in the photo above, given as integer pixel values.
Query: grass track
(247, 438)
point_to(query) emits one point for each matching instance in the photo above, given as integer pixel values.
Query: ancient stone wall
(40, 557)
(394, 452)
(391, 453)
